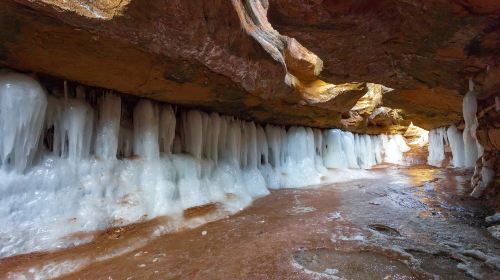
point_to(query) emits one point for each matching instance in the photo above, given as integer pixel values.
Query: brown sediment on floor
(103, 241)
(261, 241)
(200, 210)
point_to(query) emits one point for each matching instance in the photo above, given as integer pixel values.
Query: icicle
(348, 147)
(192, 124)
(436, 147)
(167, 129)
(318, 150)
(472, 148)
(74, 128)
(262, 148)
(253, 157)
(146, 130)
(334, 155)
(395, 147)
(125, 140)
(274, 142)
(245, 135)
(22, 112)
(365, 155)
(108, 128)
(213, 151)
(457, 146)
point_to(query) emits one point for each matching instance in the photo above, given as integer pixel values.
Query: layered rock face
(486, 179)
(279, 61)
(364, 66)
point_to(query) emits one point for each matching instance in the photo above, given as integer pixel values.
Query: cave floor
(409, 223)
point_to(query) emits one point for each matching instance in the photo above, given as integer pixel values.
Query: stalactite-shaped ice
(146, 125)
(125, 142)
(363, 148)
(299, 165)
(436, 146)
(274, 143)
(262, 148)
(318, 147)
(108, 128)
(251, 141)
(73, 130)
(348, 147)
(334, 155)
(456, 141)
(395, 147)
(192, 124)
(214, 133)
(22, 112)
(465, 148)
(167, 129)
(469, 135)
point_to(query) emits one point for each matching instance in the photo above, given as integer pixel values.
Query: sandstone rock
(494, 231)
(199, 53)
(485, 171)
(493, 219)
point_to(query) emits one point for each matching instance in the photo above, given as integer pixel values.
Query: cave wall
(198, 53)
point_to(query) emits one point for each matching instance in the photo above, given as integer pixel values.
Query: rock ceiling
(308, 62)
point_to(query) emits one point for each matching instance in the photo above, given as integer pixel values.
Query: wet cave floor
(409, 223)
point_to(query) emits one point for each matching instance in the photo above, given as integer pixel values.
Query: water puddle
(353, 265)
(440, 263)
(385, 230)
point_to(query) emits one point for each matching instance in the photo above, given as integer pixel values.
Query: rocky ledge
(365, 66)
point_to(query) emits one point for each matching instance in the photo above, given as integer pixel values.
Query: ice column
(192, 124)
(22, 113)
(471, 147)
(167, 129)
(146, 130)
(73, 127)
(457, 146)
(108, 127)
(395, 146)
(437, 139)
(334, 155)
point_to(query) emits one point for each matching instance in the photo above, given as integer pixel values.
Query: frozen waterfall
(465, 148)
(82, 160)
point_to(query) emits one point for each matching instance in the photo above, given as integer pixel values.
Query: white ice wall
(464, 146)
(473, 150)
(95, 169)
(22, 111)
(456, 145)
(437, 142)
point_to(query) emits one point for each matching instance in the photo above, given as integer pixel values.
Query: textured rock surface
(488, 134)
(198, 53)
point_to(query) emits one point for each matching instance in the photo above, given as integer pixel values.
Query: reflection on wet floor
(439, 263)
(353, 265)
(414, 223)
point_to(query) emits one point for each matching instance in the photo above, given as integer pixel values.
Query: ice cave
(249, 139)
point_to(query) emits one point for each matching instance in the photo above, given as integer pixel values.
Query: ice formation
(465, 148)
(456, 142)
(437, 139)
(82, 161)
(22, 110)
(440, 139)
(423, 135)
(472, 148)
